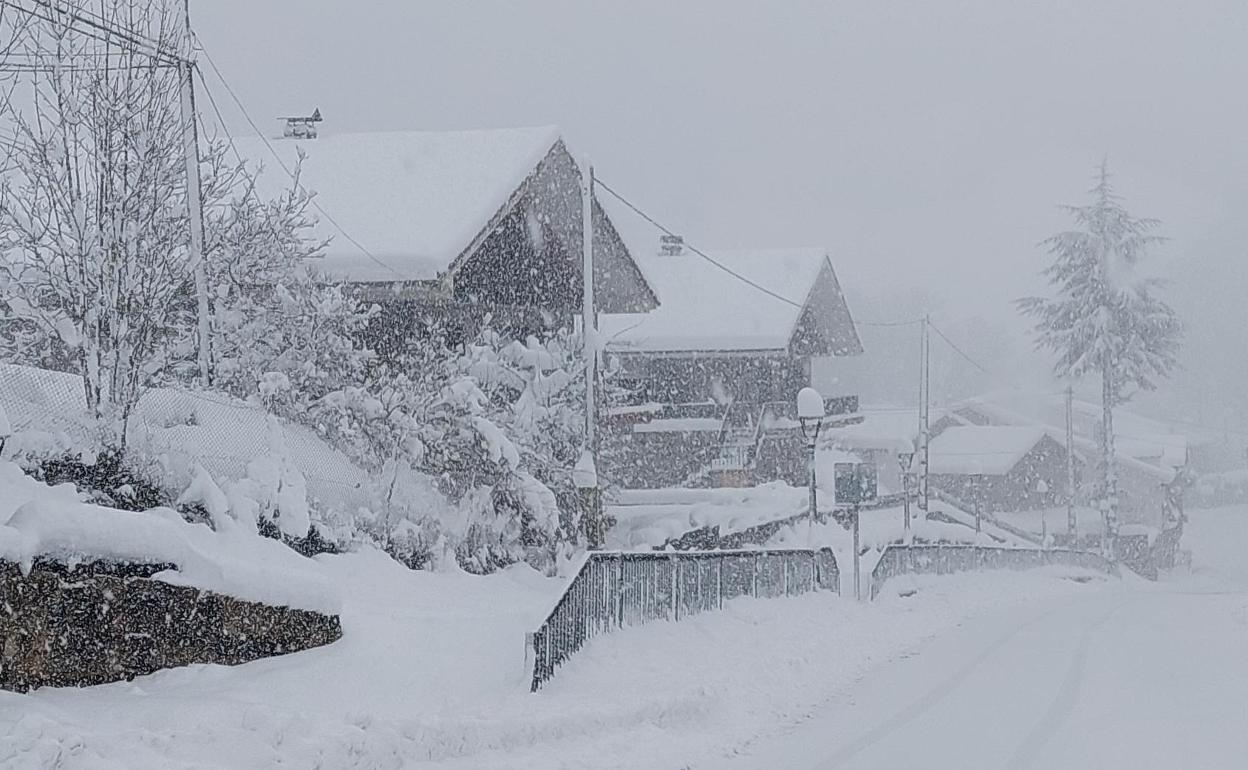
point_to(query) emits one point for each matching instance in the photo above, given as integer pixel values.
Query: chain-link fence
(173, 430)
(615, 590)
(948, 559)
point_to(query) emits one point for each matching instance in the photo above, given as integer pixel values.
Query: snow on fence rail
(946, 559)
(615, 590)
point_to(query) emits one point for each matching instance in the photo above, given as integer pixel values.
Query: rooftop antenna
(302, 127)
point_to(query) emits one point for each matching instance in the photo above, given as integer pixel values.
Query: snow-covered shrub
(107, 478)
(280, 333)
(535, 395)
(471, 449)
(404, 515)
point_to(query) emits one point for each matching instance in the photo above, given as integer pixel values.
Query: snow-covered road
(1152, 677)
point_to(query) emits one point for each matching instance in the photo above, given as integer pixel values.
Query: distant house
(742, 328)
(1002, 468)
(1148, 451)
(467, 222)
(1151, 441)
(884, 434)
(731, 343)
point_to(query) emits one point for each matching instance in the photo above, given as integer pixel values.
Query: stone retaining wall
(102, 622)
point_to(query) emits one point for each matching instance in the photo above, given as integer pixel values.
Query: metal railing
(616, 590)
(988, 516)
(948, 559)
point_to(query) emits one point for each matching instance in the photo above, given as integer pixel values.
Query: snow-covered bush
(471, 449)
(280, 333)
(404, 515)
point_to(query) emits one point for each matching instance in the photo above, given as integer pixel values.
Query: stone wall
(102, 622)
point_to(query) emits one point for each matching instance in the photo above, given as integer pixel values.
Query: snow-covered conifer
(1106, 318)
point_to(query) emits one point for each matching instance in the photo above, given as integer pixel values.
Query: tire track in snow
(930, 699)
(1064, 702)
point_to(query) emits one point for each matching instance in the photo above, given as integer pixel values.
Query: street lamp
(810, 416)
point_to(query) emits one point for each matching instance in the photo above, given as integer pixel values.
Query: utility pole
(904, 459)
(596, 537)
(194, 199)
(1072, 521)
(589, 322)
(925, 436)
(857, 555)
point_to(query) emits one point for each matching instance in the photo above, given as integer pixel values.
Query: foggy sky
(925, 144)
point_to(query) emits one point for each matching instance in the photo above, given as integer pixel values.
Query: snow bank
(50, 523)
(183, 429)
(17, 489)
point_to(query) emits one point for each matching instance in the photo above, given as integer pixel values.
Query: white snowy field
(430, 672)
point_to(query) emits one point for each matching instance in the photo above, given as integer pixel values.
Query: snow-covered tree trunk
(1109, 462)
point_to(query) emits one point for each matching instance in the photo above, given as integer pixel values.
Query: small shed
(1002, 468)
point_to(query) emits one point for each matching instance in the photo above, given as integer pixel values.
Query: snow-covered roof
(414, 199)
(1136, 436)
(982, 450)
(883, 428)
(702, 307)
(705, 307)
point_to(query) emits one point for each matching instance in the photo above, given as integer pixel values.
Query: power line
(36, 15)
(212, 101)
(959, 350)
(733, 273)
(700, 253)
(294, 177)
(96, 23)
(250, 187)
(911, 322)
(24, 67)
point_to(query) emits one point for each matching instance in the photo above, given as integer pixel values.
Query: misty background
(925, 145)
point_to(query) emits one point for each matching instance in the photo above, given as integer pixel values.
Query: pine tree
(1105, 319)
